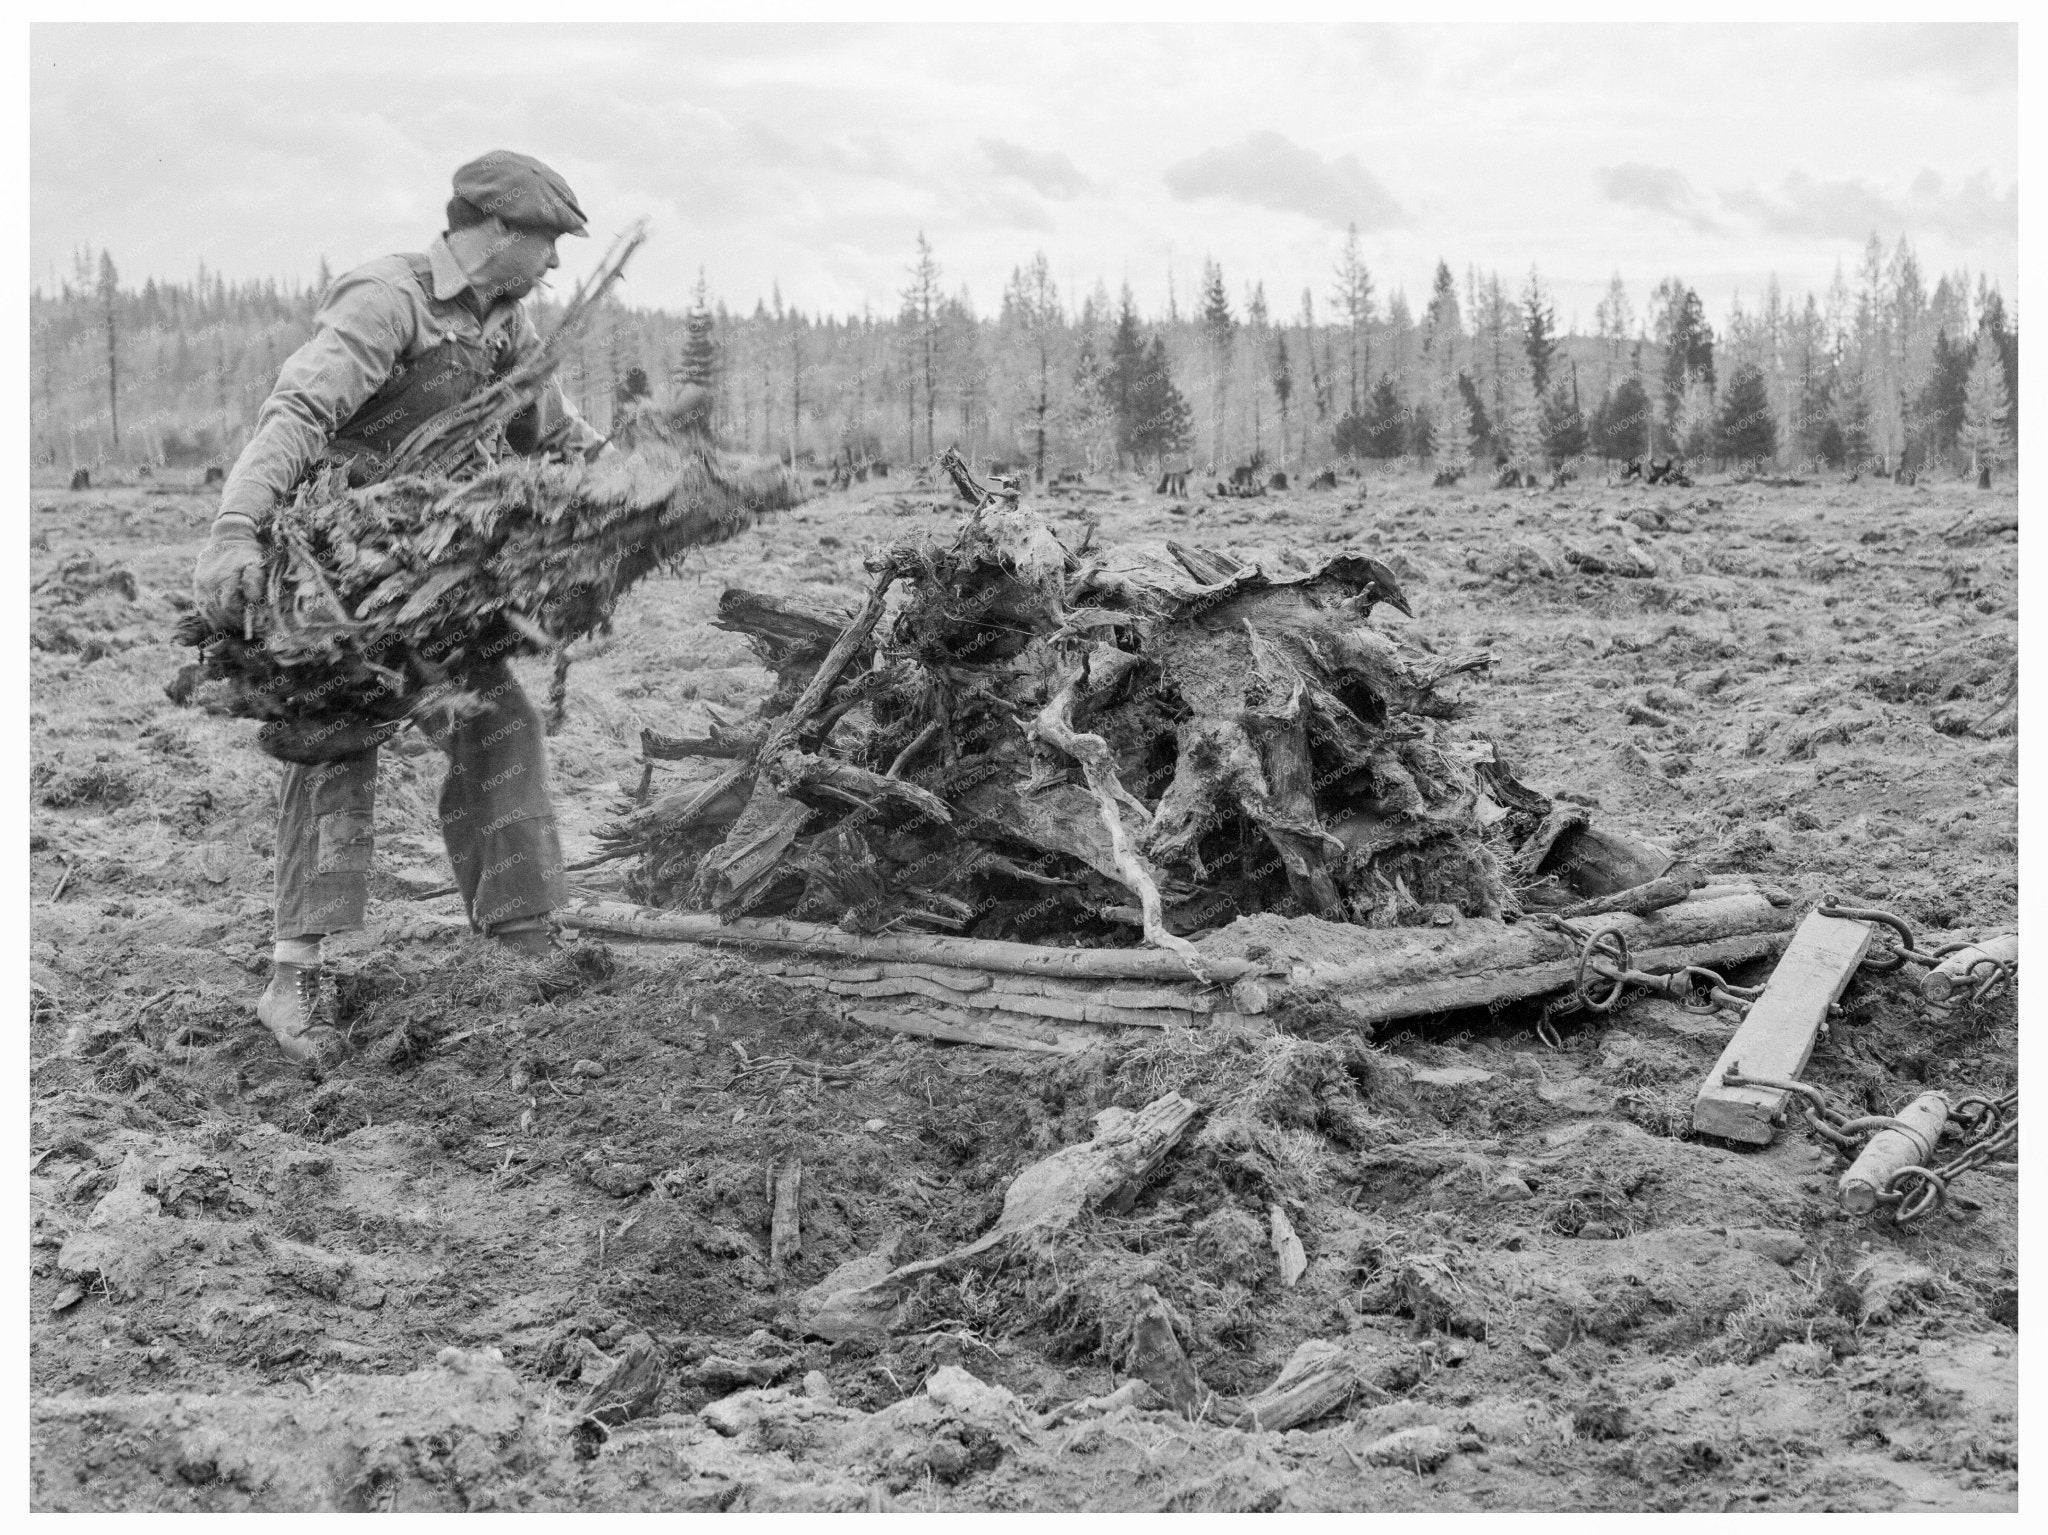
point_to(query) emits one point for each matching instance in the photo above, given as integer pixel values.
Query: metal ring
(1926, 1196)
(1598, 943)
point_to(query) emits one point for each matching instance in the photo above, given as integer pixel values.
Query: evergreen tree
(1442, 326)
(1518, 428)
(1695, 428)
(1539, 333)
(1283, 388)
(1448, 420)
(700, 354)
(1565, 435)
(1482, 426)
(1623, 418)
(1386, 422)
(1938, 413)
(1219, 329)
(1987, 409)
(1161, 422)
(1850, 418)
(1124, 377)
(1748, 428)
(921, 303)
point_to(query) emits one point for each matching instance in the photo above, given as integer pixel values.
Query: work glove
(229, 575)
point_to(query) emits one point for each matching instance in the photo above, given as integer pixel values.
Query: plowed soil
(394, 1287)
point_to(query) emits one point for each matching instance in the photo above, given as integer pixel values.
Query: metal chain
(1992, 976)
(1990, 1127)
(1604, 958)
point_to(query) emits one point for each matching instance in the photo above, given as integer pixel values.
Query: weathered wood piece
(1286, 1247)
(1951, 981)
(1105, 1172)
(628, 1389)
(1318, 1379)
(1154, 1355)
(1776, 1038)
(1890, 1149)
(626, 920)
(785, 1233)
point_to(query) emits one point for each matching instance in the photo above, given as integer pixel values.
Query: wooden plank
(968, 1031)
(997, 1000)
(1776, 1039)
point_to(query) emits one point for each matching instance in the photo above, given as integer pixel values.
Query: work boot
(298, 1010)
(528, 937)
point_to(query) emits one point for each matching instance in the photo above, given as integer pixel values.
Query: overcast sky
(813, 155)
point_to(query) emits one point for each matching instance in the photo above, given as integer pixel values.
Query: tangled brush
(381, 599)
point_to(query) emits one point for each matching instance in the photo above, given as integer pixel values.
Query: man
(395, 342)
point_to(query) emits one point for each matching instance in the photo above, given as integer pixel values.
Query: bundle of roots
(381, 599)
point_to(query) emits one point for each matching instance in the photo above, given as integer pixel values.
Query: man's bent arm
(358, 336)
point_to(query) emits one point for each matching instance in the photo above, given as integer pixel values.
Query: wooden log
(785, 1233)
(1405, 972)
(1862, 1186)
(1638, 900)
(626, 920)
(1776, 1038)
(1951, 981)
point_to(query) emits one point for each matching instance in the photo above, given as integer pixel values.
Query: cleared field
(1553, 1297)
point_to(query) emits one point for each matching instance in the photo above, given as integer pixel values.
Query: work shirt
(372, 319)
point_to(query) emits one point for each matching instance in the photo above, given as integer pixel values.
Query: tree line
(1881, 370)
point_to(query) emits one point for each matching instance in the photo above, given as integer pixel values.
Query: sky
(811, 157)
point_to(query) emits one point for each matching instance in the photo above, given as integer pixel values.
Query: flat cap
(521, 191)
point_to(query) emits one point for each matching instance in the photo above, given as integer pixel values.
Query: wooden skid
(1776, 1039)
(625, 920)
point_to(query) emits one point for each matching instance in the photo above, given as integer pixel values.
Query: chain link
(1992, 976)
(1989, 1126)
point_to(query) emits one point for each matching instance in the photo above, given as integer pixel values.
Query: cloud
(1050, 174)
(1653, 189)
(1269, 170)
(1970, 211)
(1977, 58)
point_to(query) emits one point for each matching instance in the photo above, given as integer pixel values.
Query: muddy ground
(393, 1288)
